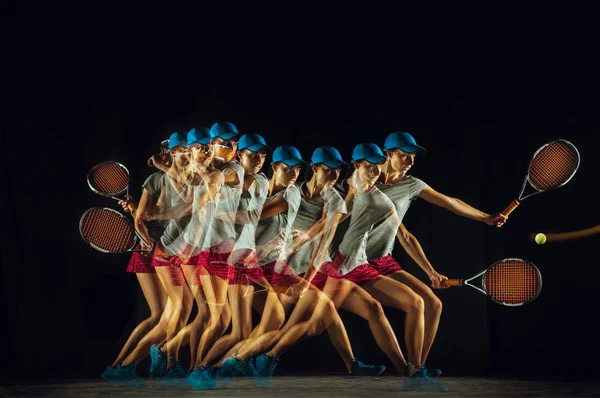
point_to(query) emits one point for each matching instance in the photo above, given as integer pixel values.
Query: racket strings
(553, 165)
(512, 282)
(107, 230)
(109, 178)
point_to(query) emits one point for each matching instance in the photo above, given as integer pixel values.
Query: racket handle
(514, 204)
(131, 208)
(453, 282)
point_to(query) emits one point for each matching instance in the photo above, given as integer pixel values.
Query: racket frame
(116, 196)
(529, 167)
(484, 289)
(136, 238)
(515, 203)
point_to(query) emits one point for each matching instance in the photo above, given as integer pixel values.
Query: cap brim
(227, 136)
(203, 141)
(292, 162)
(334, 164)
(410, 148)
(255, 147)
(376, 159)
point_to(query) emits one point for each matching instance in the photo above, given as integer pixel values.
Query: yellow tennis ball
(540, 239)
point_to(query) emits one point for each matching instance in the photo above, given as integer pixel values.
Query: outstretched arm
(412, 246)
(459, 207)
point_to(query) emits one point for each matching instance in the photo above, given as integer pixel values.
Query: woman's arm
(138, 220)
(412, 246)
(459, 207)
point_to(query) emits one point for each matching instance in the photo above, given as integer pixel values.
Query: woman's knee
(277, 316)
(375, 309)
(154, 319)
(434, 304)
(416, 304)
(315, 328)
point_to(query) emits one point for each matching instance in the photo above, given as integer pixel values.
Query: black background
(480, 98)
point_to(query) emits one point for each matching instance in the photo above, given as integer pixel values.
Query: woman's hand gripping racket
(511, 282)
(551, 167)
(111, 179)
(108, 231)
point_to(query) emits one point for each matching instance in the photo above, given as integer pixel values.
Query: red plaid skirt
(385, 265)
(269, 270)
(140, 263)
(282, 281)
(359, 275)
(163, 259)
(212, 263)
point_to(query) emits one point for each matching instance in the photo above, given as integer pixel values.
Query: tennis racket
(108, 231)
(110, 179)
(511, 282)
(552, 166)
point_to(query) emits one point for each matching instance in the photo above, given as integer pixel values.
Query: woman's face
(181, 156)
(252, 162)
(202, 154)
(368, 172)
(326, 176)
(401, 161)
(284, 174)
(224, 150)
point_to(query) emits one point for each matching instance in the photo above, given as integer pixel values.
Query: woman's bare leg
(391, 293)
(156, 297)
(433, 307)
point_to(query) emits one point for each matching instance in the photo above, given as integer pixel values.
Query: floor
(316, 386)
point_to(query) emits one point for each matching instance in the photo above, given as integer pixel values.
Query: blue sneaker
(175, 376)
(233, 366)
(422, 371)
(362, 369)
(158, 364)
(265, 367)
(424, 383)
(123, 375)
(229, 370)
(201, 379)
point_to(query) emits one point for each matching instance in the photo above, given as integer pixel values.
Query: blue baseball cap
(177, 139)
(224, 130)
(288, 155)
(402, 141)
(251, 141)
(327, 155)
(198, 136)
(369, 152)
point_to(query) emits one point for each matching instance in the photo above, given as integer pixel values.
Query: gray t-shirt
(249, 211)
(223, 226)
(373, 217)
(342, 188)
(402, 192)
(203, 214)
(309, 212)
(153, 185)
(274, 231)
(173, 197)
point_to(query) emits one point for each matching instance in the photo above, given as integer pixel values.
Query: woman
(246, 273)
(206, 183)
(173, 187)
(401, 150)
(273, 229)
(212, 270)
(140, 265)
